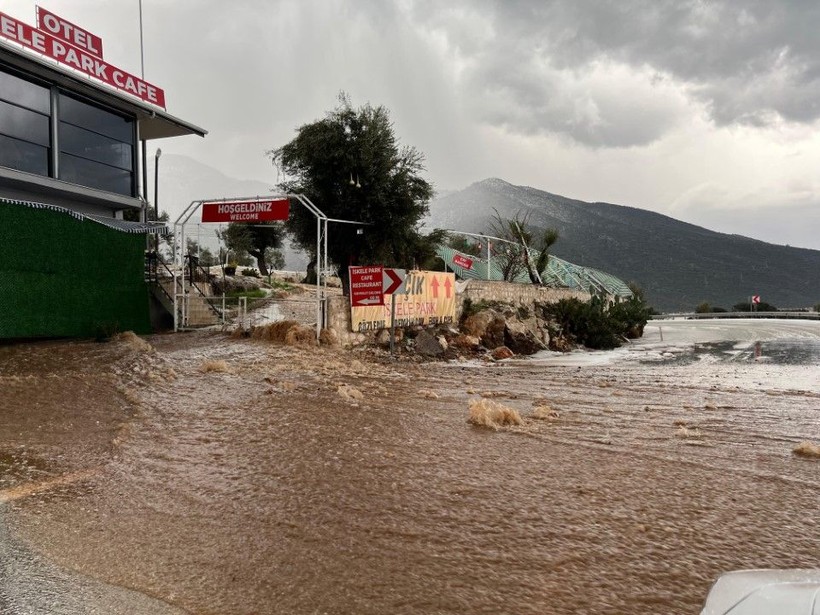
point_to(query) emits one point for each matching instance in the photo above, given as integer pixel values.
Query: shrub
(587, 322)
(599, 325)
(629, 317)
(281, 285)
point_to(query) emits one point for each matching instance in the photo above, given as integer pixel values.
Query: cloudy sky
(703, 110)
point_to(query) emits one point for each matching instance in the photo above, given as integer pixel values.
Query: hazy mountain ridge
(678, 263)
(183, 180)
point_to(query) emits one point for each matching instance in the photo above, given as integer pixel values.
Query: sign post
(753, 302)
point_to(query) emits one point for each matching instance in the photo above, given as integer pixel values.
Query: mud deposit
(328, 481)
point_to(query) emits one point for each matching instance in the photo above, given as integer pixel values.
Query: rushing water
(256, 479)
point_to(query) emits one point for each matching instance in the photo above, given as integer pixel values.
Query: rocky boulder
(465, 342)
(429, 345)
(523, 339)
(487, 325)
(501, 353)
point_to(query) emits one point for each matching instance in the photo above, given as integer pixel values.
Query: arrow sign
(393, 281)
(366, 286)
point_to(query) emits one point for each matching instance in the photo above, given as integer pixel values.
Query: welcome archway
(249, 210)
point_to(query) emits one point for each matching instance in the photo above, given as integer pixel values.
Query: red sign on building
(76, 48)
(462, 261)
(366, 286)
(67, 31)
(245, 211)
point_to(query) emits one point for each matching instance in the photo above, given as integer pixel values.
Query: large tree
(256, 239)
(351, 165)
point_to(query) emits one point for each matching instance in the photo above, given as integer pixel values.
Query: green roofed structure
(559, 273)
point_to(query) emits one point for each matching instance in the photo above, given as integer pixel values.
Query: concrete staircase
(200, 312)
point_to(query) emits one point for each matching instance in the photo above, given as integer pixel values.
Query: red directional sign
(366, 286)
(393, 281)
(755, 299)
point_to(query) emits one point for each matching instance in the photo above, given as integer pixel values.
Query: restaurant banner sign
(72, 46)
(429, 298)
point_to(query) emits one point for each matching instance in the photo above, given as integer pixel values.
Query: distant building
(74, 134)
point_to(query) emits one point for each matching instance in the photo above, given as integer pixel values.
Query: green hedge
(64, 277)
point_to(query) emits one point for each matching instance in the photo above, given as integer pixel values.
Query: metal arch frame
(322, 268)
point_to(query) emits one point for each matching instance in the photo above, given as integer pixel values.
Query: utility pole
(156, 193)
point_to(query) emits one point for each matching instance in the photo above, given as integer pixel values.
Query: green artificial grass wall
(65, 277)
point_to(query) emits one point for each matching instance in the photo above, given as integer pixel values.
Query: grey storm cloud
(622, 73)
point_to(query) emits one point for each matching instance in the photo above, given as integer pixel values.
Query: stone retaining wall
(338, 308)
(515, 294)
(338, 318)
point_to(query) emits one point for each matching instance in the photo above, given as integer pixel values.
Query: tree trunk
(260, 261)
(535, 277)
(311, 275)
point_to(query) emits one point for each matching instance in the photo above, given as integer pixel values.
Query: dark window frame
(54, 150)
(24, 106)
(91, 162)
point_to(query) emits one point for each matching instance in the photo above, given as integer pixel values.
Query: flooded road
(214, 475)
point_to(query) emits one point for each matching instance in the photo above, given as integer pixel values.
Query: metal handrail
(193, 268)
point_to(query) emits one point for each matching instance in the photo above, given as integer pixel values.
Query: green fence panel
(66, 277)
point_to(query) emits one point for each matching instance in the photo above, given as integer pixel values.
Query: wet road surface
(230, 476)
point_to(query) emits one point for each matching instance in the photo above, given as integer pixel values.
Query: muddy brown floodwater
(209, 475)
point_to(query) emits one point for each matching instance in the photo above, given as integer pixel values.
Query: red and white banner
(245, 211)
(462, 261)
(81, 58)
(428, 298)
(70, 33)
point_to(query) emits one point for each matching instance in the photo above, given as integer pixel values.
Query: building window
(95, 147)
(25, 139)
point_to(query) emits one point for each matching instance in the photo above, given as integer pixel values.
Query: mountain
(183, 180)
(678, 264)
